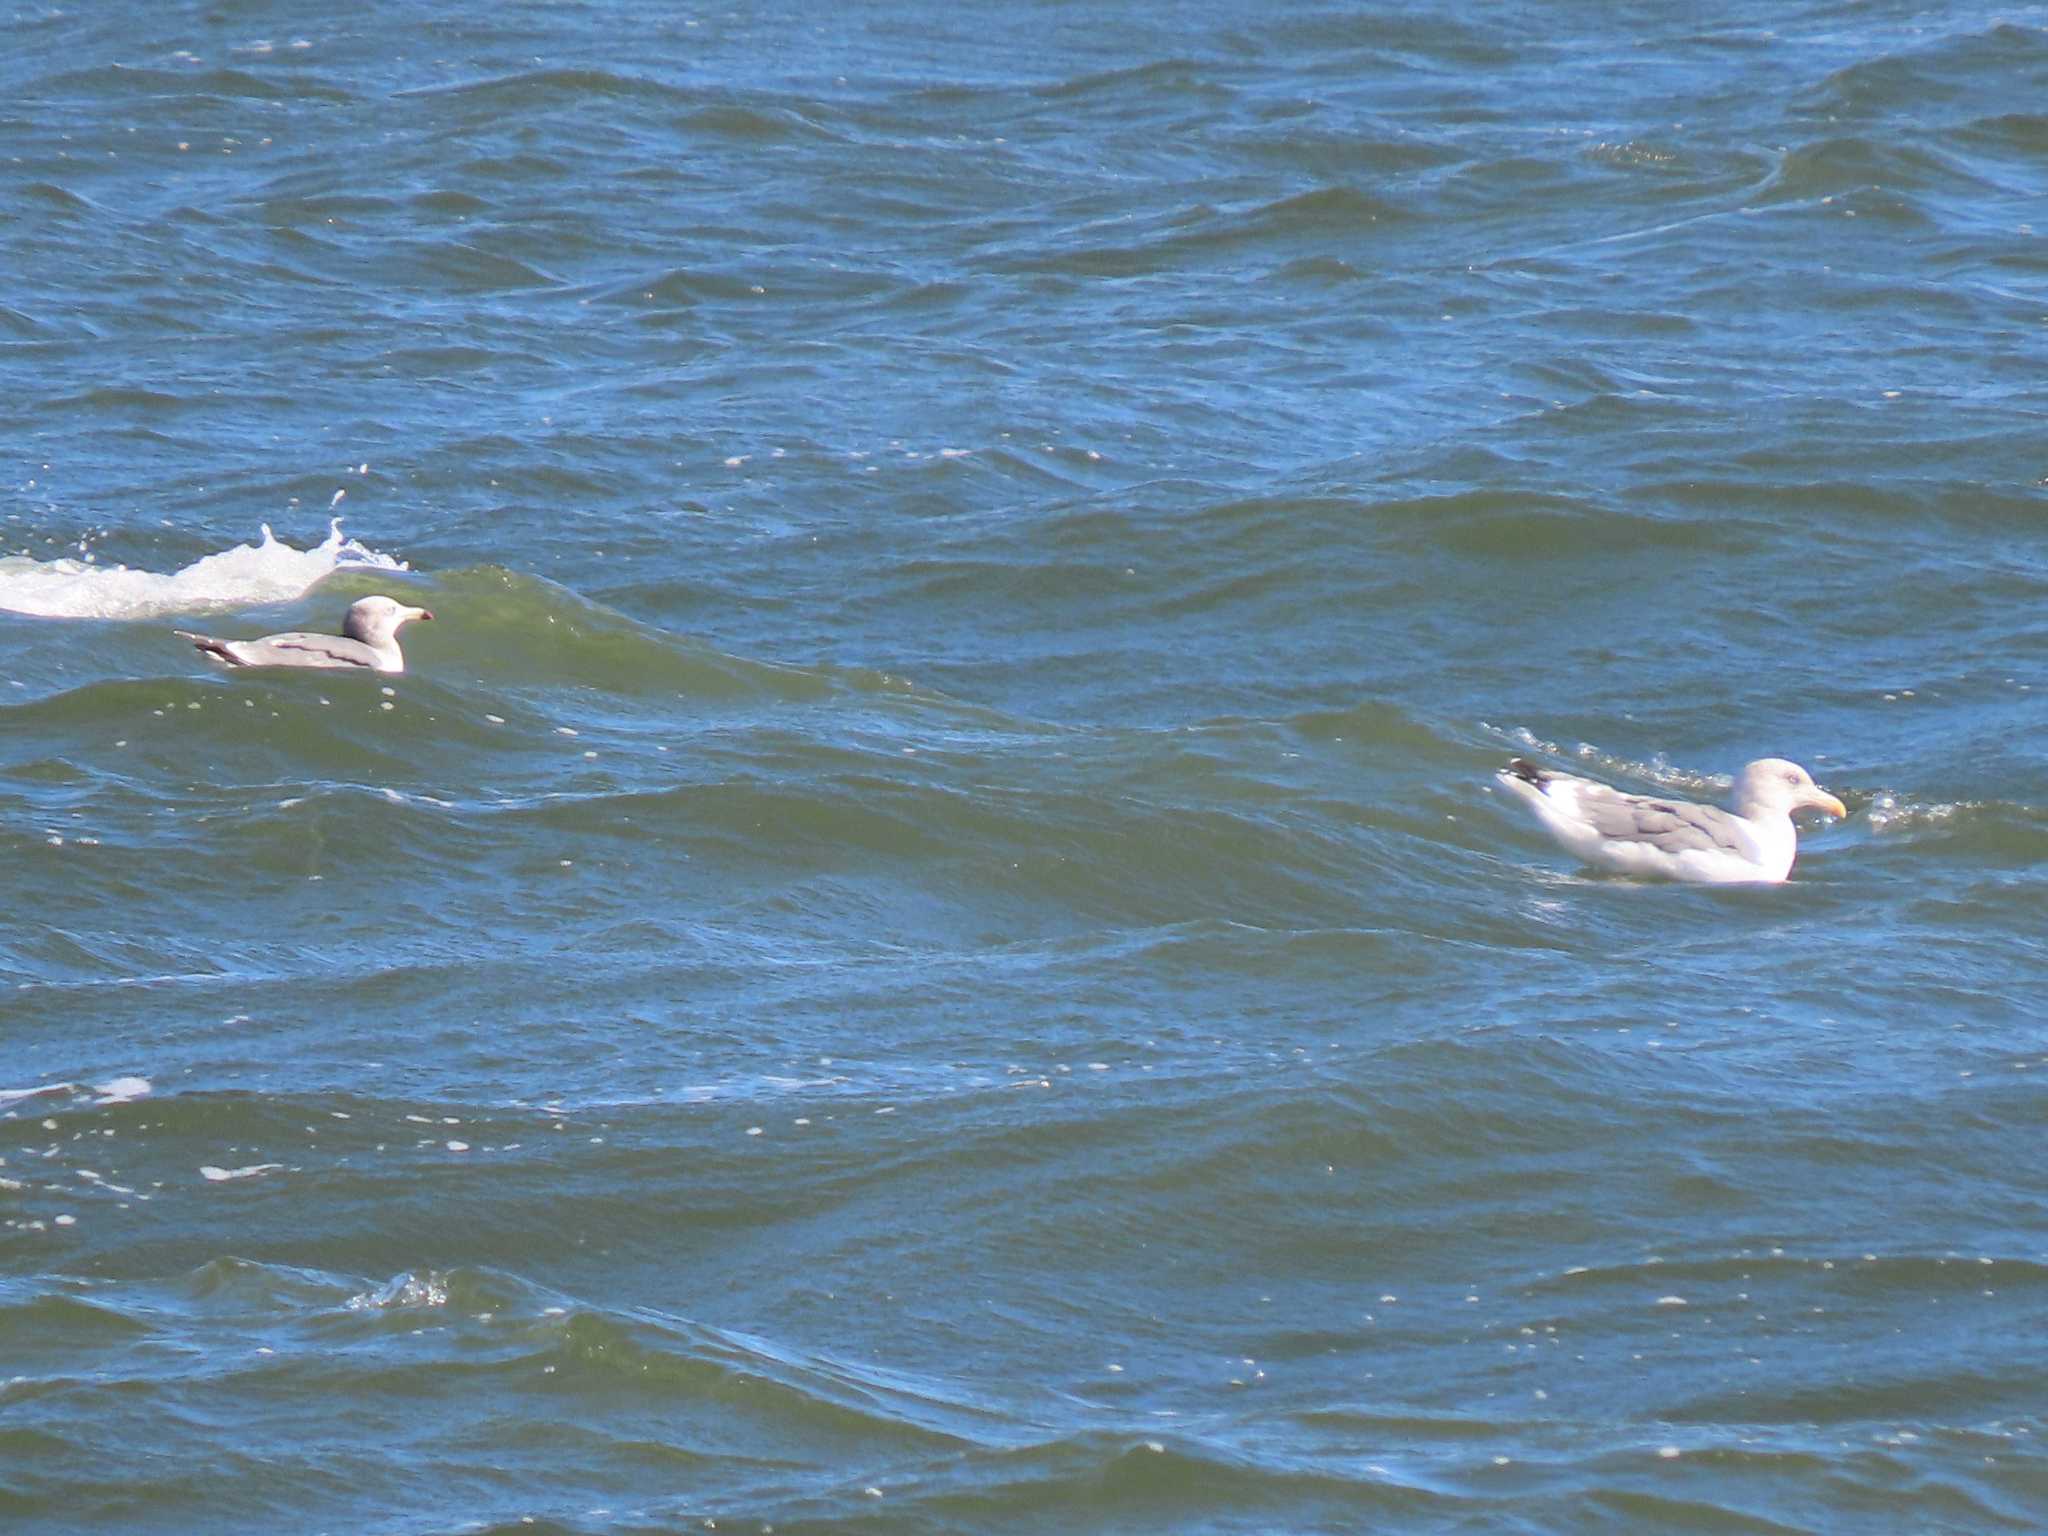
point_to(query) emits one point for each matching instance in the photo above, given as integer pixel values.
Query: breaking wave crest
(243, 576)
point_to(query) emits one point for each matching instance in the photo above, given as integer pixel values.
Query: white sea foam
(1657, 770)
(217, 1175)
(1888, 813)
(407, 1290)
(241, 577)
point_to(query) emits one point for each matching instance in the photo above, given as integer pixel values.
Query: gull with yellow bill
(1676, 839)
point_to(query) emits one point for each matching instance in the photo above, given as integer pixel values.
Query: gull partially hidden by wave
(368, 639)
(1676, 839)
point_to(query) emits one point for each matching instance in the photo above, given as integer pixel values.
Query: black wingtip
(1523, 769)
(206, 645)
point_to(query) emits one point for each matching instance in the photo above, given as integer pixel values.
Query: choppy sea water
(925, 944)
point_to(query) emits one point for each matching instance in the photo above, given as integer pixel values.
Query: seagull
(1676, 839)
(368, 638)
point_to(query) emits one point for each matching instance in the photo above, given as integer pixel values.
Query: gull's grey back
(301, 649)
(1675, 826)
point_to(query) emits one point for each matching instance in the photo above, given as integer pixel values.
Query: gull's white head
(376, 620)
(1773, 786)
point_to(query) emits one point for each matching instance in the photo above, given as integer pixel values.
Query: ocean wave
(538, 89)
(1924, 70)
(133, 82)
(244, 576)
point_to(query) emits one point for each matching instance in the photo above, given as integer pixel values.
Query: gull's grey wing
(1674, 826)
(301, 649)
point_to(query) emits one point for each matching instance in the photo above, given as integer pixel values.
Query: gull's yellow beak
(1822, 801)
